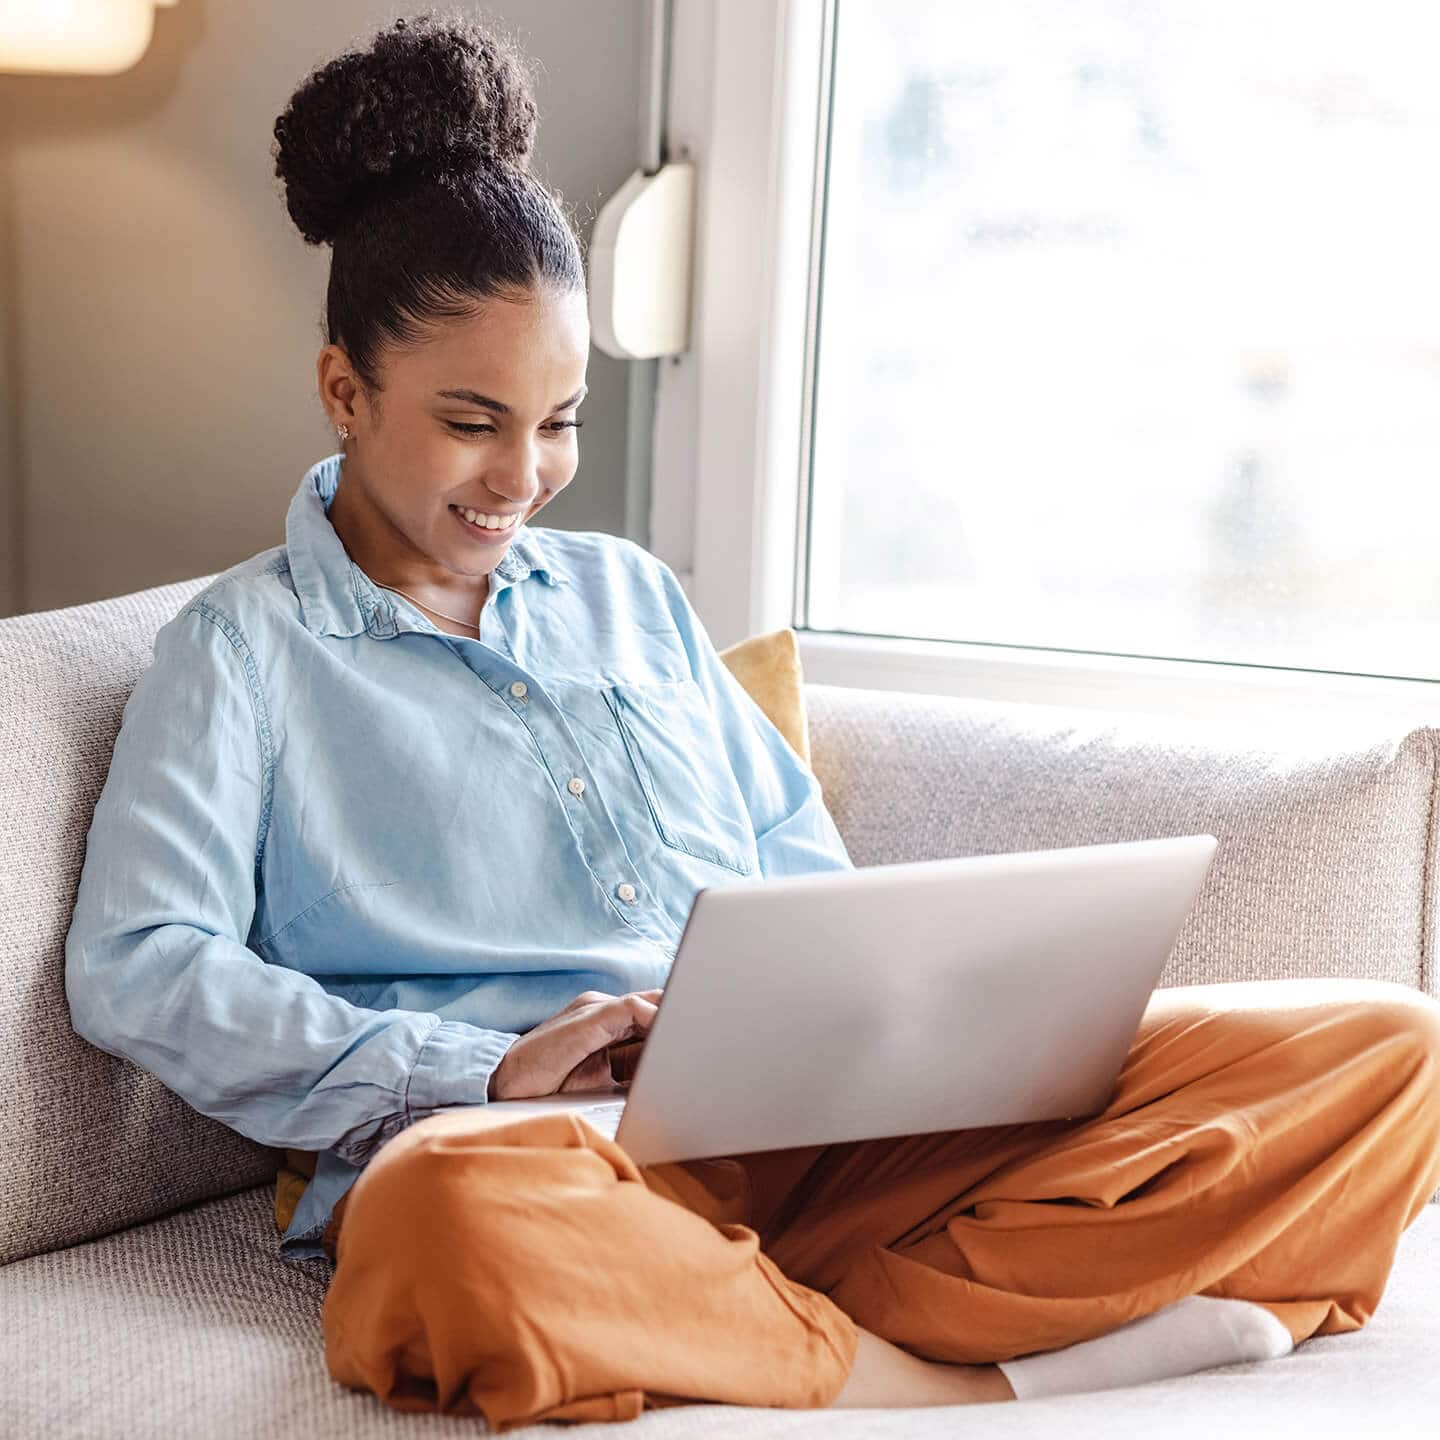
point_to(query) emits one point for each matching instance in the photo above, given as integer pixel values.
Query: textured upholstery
(192, 1325)
(1325, 835)
(88, 1143)
(1323, 868)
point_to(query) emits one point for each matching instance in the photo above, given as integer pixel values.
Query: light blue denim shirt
(343, 859)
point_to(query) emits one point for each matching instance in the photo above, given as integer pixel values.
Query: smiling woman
(437, 479)
(456, 313)
(409, 814)
(355, 873)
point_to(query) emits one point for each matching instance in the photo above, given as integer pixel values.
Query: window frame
(748, 85)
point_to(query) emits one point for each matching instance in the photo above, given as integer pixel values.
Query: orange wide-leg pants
(1266, 1140)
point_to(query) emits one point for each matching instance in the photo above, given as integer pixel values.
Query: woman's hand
(571, 1050)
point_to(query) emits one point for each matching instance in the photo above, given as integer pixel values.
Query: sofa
(142, 1292)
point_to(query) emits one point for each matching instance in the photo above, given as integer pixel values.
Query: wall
(160, 315)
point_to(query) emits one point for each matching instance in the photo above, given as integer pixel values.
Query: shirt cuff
(454, 1066)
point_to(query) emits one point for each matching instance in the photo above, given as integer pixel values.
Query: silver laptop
(900, 999)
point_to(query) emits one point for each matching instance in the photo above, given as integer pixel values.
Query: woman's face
(479, 416)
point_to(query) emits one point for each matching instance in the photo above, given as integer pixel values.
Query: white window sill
(1181, 688)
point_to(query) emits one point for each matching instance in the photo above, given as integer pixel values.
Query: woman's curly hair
(411, 160)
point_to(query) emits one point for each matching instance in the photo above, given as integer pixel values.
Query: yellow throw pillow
(768, 666)
(290, 1182)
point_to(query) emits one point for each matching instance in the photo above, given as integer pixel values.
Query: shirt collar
(336, 596)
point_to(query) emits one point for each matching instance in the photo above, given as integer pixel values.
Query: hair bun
(429, 97)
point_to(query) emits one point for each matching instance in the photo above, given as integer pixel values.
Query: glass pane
(1130, 330)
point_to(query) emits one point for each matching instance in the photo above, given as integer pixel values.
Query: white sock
(1196, 1333)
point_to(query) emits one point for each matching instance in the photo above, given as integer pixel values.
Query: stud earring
(344, 431)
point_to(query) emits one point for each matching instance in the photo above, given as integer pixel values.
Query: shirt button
(576, 786)
(626, 892)
(518, 688)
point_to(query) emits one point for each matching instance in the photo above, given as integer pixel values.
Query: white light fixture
(74, 37)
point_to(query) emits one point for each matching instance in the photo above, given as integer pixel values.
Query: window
(1129, 330)
(1116, 338)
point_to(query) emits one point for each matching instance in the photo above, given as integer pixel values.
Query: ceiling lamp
(74, 37)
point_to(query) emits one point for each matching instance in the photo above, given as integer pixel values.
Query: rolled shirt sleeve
(156, 965)
(794, 832)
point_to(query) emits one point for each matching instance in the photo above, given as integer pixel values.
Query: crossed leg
(1267, 1141)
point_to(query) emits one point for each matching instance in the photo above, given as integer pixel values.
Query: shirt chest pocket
(677, 752)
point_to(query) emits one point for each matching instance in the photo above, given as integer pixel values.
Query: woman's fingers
(624, 1057)
(620, 1024)
(629, 1015)
(592, 1073)
(571, 1050)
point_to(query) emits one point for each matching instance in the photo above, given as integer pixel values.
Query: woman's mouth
(480, 530)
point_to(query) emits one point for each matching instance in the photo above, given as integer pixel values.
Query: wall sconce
(74, 37)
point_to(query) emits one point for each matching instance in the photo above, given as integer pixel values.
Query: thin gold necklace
(456, 618)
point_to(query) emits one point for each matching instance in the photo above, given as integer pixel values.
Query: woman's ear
(335, 380)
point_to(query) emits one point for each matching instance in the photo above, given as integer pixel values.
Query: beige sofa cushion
(88, 1142)
(194, 1326)
(1325, 835)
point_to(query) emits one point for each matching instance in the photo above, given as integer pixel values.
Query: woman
(408, 813)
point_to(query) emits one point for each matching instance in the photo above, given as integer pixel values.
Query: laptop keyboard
(605, 1118)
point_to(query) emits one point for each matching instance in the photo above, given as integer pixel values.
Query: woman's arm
(794, 832)
(156, 968)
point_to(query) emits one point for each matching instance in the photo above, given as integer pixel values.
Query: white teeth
(490, 522)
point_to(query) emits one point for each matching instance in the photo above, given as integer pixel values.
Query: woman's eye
(555, 427)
